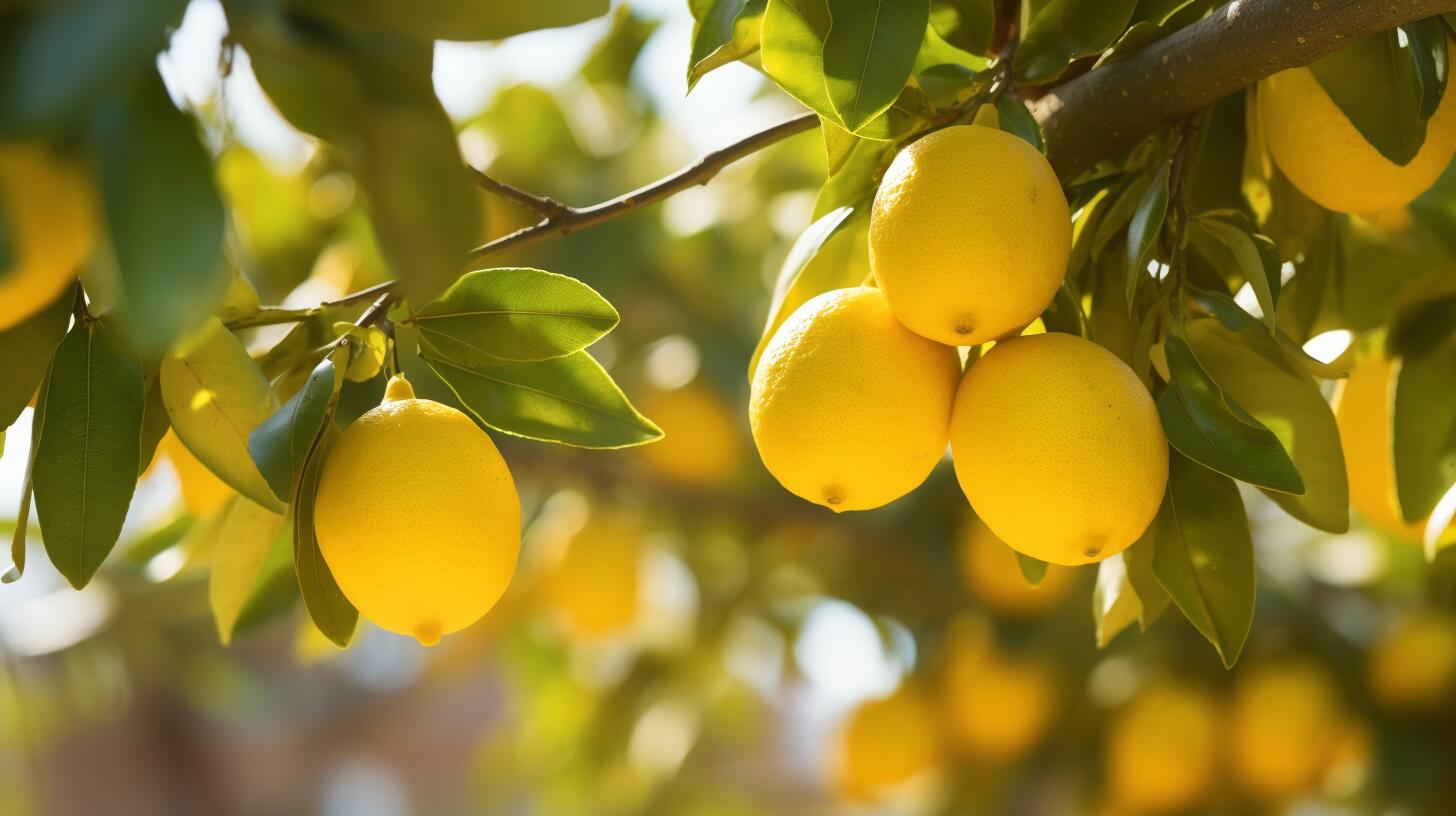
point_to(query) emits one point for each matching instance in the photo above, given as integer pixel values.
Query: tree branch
(1112, 108)
(548, 207)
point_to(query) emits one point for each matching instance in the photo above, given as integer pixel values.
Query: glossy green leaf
(1254, 256)
(802, 277)
(869, 53)
(723, 31)
(1427, 43)
(571, 400)
(165, 217)
(1016, 119)
(86, 461)
(327, 607)
(1205, 557)
(1374, 82)
(25, 354)
(1424, 429)
(1207, 425)
(280, 445)
(1067, 29)
(515, 314)
(1142, 231)
(243, 538)
(965, 24)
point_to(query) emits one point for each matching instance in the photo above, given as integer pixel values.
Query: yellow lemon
(1362, 413)
(884, 743)
(997, 706)
(49, 211)
(969, 235)
(1161, 750)
(1323, 154)
(417, 516)
(202, 492)
(591, 585)
(1286, 722)
(850, 409)
(1059, 448)
(1414, 666)
(993, 578)
(703, 440)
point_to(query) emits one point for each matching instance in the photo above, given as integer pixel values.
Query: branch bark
(1112, 108)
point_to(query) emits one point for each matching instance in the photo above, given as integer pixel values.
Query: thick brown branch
(1112, 108)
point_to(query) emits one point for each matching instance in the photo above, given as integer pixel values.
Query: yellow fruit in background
(849, 409)
(1413, 667)
(49, 211)
(703, 440)
(202, 492)
(1059, 448)
(592, 584)
(1325, 156)
(1161, 750)
(417, 516)
(1285, 724)
(969, 235)
(1362, 412)
(884, 743)
(993, 578)
(997, 706)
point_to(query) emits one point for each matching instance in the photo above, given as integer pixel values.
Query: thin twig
(275, 315)
(548, 207)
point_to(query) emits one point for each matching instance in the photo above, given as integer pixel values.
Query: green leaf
(280, 445)
(155, 422)
(1254, 255)
(327, 607)
(27, 489)
(1016, 119)
(215, 396)
(1207, 425)
(723, 31)
(1427, 39)
(1424, 429)
(1143, 229)
(1067, 29)
(164, 215)
(242, 540)
(571, 400)
(1270, 382)
(1115, 604)
(26, 351)
(86, 462)
(1138, 559)
(460, 20)
(802, 277)
(869, 53)
(965, 24)
(1118, 211)
(1032, 570)
(1205, 557)
(1374, 82)
(515, 314)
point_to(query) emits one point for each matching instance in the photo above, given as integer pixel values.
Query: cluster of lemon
(1056, 442)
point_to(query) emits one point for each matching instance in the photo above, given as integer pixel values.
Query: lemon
(703, 439)
(1325, 157)
(969, 235)
(1058, 447)
(1362, 413)
(997, 706)
(1413, 667)
(591, 585)
(1286, 722)
(993, 578)
(202, 492)
(849, 409)
(884, 743)
(49, 212)
(1161, 751)
(417, 516)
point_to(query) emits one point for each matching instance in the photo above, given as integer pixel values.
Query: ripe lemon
(1362, 413)
(1285, 725)
(49, 209)
(1059, 449)
(1161, 751)
(1413, 668)
(1325, 157)
(969, 235)
(993, 578)
(997, 706)
(703, 438)
(884, 743)
(591, 585)
(202, 492)
(850, 409)
(417, 516)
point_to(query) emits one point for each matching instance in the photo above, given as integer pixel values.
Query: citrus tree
(1084, 245)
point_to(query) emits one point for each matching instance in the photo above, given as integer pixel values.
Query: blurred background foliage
(683, 636)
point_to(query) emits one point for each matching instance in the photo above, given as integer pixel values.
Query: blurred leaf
(1119, 211)
(1143, 229)
(155, 422)
(1427, 42)
(515, 314)
(1138, 558)
(801, 278)
(280, 444)
(276, 588)
(86, 462)
(1015, 118)
(244, 537)
(461, 20)
(571, 400)
(59, 60)
(869, 53)
(26, 351)
(216, 395)
(1425, 429)
(1253, 255)
(723, 31)
(1271, 384)
(1207, 425)
(1375, 84)
(1115, 604)
(1205, 558)
(1065, 30)
(612, 59)
(327, 607)
(965, 24)
(1064, 313)
(1032, 570)
(27, 488)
